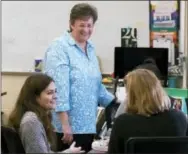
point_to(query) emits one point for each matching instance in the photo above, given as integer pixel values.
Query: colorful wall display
(164, 27)
(164, 15)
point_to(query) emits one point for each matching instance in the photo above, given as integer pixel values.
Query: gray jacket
(33, 135)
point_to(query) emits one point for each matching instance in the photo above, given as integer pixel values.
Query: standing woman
(72, 62)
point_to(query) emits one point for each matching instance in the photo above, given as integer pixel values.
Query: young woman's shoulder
(30, 118)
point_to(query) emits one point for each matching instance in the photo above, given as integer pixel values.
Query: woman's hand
(73, 149)
(67, 137)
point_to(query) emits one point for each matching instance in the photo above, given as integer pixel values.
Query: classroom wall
(12, 85)
(29, 27)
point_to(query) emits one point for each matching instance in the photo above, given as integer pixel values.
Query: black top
(169, 123)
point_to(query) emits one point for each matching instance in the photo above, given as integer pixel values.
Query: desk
(176, 92)
(96, 152)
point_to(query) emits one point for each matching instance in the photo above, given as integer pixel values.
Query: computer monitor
(126, 59)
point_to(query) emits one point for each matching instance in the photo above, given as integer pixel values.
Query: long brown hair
(145, 94)
(26, 101)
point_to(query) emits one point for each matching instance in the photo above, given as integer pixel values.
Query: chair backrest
(157, 145)
(10, 141)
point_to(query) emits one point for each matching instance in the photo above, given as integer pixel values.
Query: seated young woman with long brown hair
(31, 116)
(148, 112)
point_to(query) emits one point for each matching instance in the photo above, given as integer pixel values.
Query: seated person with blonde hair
(148, 112)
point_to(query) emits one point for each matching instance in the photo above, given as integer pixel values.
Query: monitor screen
(126, 59)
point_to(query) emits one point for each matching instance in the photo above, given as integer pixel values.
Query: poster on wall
(166, 40)
(164, 15)
(129, 37)
(164, 27)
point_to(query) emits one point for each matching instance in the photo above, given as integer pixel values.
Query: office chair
(10, 141)
(157, 145)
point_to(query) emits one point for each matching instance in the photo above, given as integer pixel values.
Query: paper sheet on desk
(121, 95)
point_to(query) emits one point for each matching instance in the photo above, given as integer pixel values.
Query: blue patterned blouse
(78, 81)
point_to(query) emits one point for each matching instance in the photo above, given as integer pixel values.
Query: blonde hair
(145, 94)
